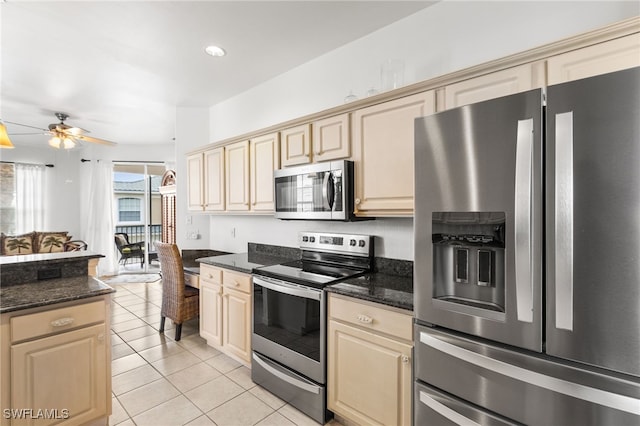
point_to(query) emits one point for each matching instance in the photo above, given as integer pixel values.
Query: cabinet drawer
(372, 316)
(192, 280)
(43, 323)
(210, 273)
(237, 281)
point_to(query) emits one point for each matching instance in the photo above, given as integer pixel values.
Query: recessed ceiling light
(215, 51)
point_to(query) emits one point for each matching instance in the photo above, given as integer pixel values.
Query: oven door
(315, 191)
(289, 325)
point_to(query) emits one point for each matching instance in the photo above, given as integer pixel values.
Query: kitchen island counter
(48, 292)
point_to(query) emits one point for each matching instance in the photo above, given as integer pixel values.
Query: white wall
(64, 204)
(192, 131)
(448, 36)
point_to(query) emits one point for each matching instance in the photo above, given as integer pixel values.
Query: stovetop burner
(326, 259)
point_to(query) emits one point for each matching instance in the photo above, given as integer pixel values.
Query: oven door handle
(282, 287)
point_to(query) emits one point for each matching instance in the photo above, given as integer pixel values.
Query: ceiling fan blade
(24, 134)
(25, 125)
(94, 140)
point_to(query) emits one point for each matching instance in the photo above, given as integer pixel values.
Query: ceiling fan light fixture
(215, 51)
(68, 143)
(5, 142)
(55, 142)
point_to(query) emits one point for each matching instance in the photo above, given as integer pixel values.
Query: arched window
(129, 210)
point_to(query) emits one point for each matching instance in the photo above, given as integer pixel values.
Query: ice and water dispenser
(469, 258)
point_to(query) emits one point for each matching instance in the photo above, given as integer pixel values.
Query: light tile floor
(157, 381)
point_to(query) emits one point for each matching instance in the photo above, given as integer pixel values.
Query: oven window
(290, 321)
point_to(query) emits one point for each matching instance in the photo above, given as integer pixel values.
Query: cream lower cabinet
(614, 55)
(225, 311)
(60, 364)
(369, 376)
(382, 148)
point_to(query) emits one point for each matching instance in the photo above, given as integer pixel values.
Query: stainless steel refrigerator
(527, 258)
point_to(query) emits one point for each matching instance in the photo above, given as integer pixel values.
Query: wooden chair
(179, 302)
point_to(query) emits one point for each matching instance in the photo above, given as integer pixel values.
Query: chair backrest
(172, 278)
(121, 239)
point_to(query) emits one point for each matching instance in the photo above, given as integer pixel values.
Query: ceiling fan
(63, 135)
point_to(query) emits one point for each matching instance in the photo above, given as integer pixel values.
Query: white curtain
(99, 227)
(30, 180)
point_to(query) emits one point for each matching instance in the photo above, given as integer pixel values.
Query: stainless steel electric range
(289, 317)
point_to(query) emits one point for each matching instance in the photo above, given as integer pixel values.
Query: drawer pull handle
(365, 319)
(236, 283)
(62, 322)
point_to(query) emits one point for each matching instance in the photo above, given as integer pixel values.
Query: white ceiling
(119, 69)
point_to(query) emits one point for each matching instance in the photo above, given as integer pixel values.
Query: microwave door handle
(327, 198)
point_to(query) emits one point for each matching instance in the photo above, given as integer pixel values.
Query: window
(22, 197)
(129, 210)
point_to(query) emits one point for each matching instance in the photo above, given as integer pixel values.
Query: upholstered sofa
(39, 242)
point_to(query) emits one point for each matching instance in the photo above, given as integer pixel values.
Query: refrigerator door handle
(445, 411)
(572, 389)
(563, 218)
(523, 232)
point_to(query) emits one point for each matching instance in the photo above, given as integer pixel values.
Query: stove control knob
(352, 242)
(312, 239)
(361, 243)
(305, 238)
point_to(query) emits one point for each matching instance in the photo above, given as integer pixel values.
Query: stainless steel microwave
(321, 191)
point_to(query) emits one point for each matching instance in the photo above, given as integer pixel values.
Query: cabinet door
(490, 86)
(331, 138)
(602, 58)
(295, 145)
(265, 158)
(383, 154)
(237, 323)
(78, 383)
(383, 398)
(237, 175)
(195, 194)
(214, 179)
(211, 312)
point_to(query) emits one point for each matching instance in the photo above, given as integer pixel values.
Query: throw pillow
(51, 242)
(17, 244)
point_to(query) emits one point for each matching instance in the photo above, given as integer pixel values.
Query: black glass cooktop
(313, 274)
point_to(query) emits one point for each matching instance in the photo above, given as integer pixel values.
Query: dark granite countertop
(23, 259)
(49, 292)
(392, 290)
(244, 262)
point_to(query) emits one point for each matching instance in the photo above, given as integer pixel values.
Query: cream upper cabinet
(363, 338)
(265, 158)
(214, 187)
(237, 176)
(383, 138)
(490, 86)
(295, 145)
(331, 138)
(195, 188)
(602, 58)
